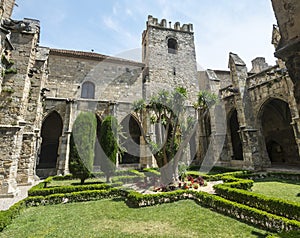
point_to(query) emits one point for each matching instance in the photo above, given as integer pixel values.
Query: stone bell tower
(169, 56)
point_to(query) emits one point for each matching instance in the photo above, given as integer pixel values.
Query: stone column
(248, 132)
(26, 165)
(10, 141)
(64, 143)
(296, 128)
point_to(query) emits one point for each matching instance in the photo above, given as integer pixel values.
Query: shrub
(82, 144)
(239, 211)
(66, 189)
(280, 207)
(64, 177)
(7, 216)
(109, 144)
(79, 196)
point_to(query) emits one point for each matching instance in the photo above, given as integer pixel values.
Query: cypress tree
(82, 144)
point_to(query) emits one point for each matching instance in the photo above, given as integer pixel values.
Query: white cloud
(110, 23)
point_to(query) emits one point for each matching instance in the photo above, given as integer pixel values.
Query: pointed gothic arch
(131, 130)
(275, 121)
(51, 132)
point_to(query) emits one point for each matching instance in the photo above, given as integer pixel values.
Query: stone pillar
(248, 132)
(26, 164)
(14, 98)
(10, 141)
(287, 13)
(296, 128)
(64, 142)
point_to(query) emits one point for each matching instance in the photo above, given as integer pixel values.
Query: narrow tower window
(172, 46)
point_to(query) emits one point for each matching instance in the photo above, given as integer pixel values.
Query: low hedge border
(79, 196)
(7, 216)
(276, 206)
(239, 211)
(66, 189)
(285, 175)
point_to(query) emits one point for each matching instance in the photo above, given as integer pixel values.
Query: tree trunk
(107, 179)
(166, 174)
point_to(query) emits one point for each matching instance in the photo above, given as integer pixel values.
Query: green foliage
(80, 196)
(7, 216)
(234, 191)
(139, 105)
(205, 100)
(11, 71)
(109, 144)
(60, 178)
(66, 189)
(219, 204)
(82, 144)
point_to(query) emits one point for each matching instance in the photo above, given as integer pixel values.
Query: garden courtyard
(237, 204)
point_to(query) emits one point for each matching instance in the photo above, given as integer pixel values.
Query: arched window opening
(172, 46)
(88, 90)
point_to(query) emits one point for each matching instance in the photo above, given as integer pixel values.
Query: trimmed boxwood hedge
(233, 185)
(79, 196)
(7, 216)
(66, 189)
(242, 212)
(277, 206)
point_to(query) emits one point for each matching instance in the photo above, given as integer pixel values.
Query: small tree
(82, 144)
(205, 100)
(109, 144)
(167, 110)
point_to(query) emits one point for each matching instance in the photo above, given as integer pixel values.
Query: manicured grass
(283, 189)
(112, 218)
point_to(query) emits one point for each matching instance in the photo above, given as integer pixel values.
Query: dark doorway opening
(51, 132)
(236, 142)
(131, 140)
(278, 133)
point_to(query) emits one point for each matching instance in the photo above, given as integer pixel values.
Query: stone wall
(167, 70)
(114, 79)
(20, 104)
(6, 8)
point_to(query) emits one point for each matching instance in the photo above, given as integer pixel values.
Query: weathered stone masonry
(255, 125)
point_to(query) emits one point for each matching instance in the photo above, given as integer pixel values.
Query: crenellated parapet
(152, 21)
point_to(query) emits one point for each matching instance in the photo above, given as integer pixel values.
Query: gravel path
(6, 203)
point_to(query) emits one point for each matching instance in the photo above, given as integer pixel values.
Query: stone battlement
(152, 21)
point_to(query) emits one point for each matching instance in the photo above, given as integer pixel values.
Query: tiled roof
(92, 55)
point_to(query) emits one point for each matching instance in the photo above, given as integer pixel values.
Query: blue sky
(114, 27)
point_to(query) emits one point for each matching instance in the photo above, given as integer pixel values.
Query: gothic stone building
(255, 125)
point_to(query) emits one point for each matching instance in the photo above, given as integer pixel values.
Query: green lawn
(112, 218)
(283, 189)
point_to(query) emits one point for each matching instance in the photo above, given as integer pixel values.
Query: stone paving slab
(6, 203)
